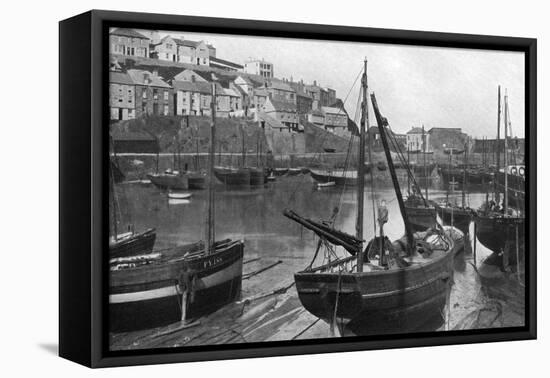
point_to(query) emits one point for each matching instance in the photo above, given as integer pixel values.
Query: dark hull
(457, 217)
(516, 189)
(144, 306)
(196, 181)
(421, 218)
(257, 177)
(280, 171)
(167, 181)
(494, 232)
(138, 244)
(473, 177)
(366, 303)
(233, 177)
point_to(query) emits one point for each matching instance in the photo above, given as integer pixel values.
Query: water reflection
(255, 215)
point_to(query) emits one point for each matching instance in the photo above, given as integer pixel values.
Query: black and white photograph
(268, 189)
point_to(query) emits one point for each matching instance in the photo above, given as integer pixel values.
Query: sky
(414, 85)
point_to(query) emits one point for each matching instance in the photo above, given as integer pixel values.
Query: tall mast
(424, 153)
(112, 189)
(210, 228)
(361, 170)
(495, 179)
(506, 153)
(382, 123)
(464, 175)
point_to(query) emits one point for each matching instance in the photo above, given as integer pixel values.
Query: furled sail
(336, 237)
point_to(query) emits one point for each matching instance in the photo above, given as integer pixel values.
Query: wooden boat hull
(495, 231)
(233, 177)
(379, 301)
(257, 177)
(144, 306)
(207, 281)
(340, 180)
(457, 217)
(196, 181)
(168, 181)
(421, 218)
(138, 244)
(516, 189)
(280, 171)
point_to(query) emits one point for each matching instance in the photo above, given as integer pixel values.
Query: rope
(316, 155)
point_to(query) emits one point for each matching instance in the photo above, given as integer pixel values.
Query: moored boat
(232, 176)
(169, 180)
(387, 287)
(132, 243)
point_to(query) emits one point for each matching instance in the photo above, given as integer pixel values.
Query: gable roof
(282, 106)
(139, 77)
(120, 78)
(281, 86)
(198, 86)
(128, 33)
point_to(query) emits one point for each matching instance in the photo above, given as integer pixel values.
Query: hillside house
(128, 42)
(281, 91)
(316, 117)
(259, 67)
(153, 95)
(192, 97)
(183, 51)
(336, 120)
(284, 112)
(122, 95)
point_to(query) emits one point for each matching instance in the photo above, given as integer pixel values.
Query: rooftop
(415, 130)
(120, 78)
(283, 106)
(128, 33)
(225, 62)
(198, 86)
(142, 77)
(281, 86)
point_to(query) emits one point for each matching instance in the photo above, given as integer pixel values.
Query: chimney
(314, 83)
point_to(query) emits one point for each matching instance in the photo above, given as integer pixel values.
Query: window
(165, 110)
(144, 94)
(155, 94)
(169, 46)
(129, 96)
(165, 95)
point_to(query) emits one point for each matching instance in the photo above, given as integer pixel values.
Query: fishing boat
(388, 287)
(294, 171)
(179, 195)
(127, 243)
(501, 228)
(329, 184)
(515, 185)
(180, 283)
(339, 177)
(169, 180)
(233, 176)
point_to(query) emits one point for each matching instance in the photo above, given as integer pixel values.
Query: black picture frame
(83, 162)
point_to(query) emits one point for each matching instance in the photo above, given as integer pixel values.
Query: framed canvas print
(234, 188)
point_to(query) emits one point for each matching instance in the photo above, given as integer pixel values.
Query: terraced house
(122, 96)
(183, 51)
(128, 42)
(153, 95)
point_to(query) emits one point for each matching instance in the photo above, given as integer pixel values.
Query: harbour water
(276, 248)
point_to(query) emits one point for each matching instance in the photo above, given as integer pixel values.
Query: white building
(259, 67)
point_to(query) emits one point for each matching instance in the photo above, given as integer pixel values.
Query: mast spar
(495, 183)
(361, 171)
(382, 124)
(210, 229)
